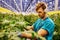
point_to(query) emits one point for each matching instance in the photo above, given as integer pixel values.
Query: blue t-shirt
(46, 24)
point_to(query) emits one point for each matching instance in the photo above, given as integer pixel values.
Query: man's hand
(25, 35)
(29, 27)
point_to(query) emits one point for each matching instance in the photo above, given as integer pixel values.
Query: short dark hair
(41, 5)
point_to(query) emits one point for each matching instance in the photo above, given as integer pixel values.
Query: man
(44, 26)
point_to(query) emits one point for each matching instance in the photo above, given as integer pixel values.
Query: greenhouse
(16, 15)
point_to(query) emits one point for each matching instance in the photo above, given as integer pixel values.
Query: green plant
(10, 23)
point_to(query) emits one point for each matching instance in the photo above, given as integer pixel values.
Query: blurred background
(15, 15)
(28, 5)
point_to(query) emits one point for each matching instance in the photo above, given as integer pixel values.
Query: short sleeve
(49, 27)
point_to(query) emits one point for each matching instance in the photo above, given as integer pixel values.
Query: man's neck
(44, 17)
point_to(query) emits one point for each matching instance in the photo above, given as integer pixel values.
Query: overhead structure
(28, 5)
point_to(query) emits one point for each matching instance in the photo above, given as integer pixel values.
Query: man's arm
(42, 32)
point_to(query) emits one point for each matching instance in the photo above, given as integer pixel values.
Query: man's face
(40, 12)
